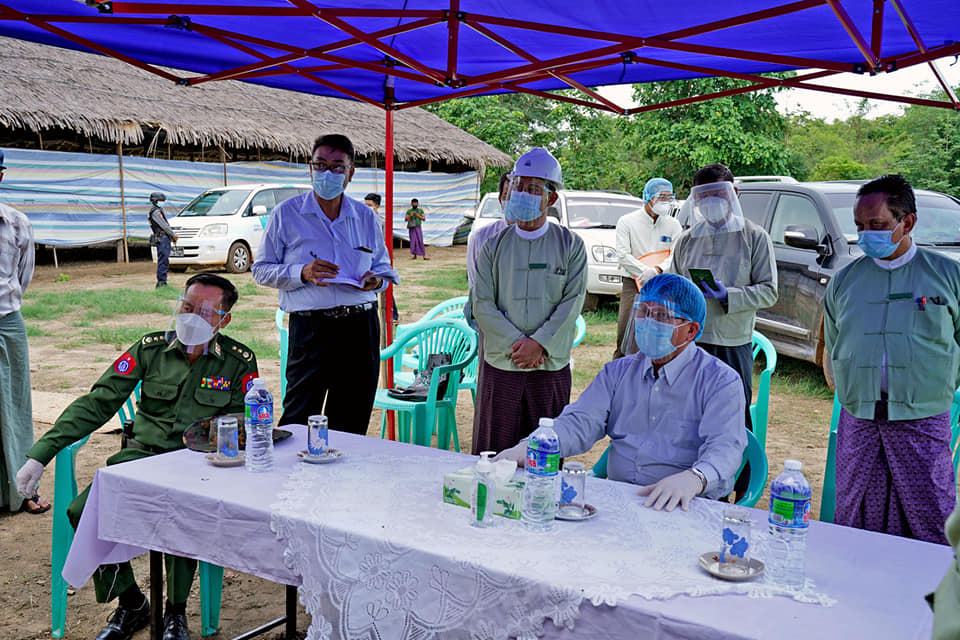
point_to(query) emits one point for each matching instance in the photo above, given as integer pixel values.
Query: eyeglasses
(659, 314)
(532, 188)
(323, 166)
(207, 313)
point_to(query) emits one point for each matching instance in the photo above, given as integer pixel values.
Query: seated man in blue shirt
(674, 413)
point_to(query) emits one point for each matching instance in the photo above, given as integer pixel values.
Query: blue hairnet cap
(2, 168)
(655, 186)
(679, 294)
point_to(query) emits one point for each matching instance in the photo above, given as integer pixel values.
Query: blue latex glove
(719, 294)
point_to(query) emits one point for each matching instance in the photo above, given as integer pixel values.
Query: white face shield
(194, 321)
(712, 209)
(526, 199)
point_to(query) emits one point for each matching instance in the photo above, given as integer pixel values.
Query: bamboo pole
(123, 206)
(223, 161)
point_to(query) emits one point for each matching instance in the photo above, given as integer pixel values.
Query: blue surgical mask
(328, 185)
(878, 244)
(523, 207)
(653, 337)
(508, 215)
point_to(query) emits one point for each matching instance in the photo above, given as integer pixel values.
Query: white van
(224, 226)
(593, 216)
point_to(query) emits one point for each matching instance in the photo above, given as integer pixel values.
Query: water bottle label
(258, 412)
(542, 463)
(789, 512)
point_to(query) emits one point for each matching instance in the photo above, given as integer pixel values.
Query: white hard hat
(539, 163)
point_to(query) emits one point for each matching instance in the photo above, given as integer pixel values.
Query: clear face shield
(526, 198)
(194, 321)
(652, 326)
(712, 209)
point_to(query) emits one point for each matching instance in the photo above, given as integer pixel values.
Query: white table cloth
(332, 529)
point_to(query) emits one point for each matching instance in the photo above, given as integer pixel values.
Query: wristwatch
(703, 479)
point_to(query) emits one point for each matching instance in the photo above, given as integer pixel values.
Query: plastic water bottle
(541, 478)
(788, 522)
(258, 422)
(484, 498)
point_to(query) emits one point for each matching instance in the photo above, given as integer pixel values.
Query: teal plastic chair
(828, 497)
(581, 331)
(754, 454)
(760, 410)
(283, 333)
(61, 537)
(452, 308)
(418, 421)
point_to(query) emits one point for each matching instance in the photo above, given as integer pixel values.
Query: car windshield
(490, 208)
(599, 213)
(938, 218)
(216, 203)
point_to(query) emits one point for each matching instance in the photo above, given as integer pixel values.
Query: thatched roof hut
(52, 92)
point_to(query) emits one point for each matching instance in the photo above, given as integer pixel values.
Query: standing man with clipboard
(644, 238)
(731, 260)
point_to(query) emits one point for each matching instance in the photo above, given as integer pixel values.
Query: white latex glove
(517, 453)
(675, 489)
(646, 275)
(29, 477)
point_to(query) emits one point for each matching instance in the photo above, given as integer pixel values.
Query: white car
(593, 216)
(224, 226)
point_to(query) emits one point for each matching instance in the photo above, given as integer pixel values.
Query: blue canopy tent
(398, 54)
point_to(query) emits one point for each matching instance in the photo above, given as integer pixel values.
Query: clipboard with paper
(652, 259)
(354, 265)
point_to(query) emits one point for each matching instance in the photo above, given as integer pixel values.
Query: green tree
(840, 168)
(930, 155)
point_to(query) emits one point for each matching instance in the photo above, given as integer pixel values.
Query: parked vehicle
(593, 216)
(814, 236)
(224, 226)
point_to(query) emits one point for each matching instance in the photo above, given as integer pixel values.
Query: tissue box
(458, 490)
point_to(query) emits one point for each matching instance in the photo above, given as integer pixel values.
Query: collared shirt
(174, 395)
(475, 241)
(529, 288)
(746, 265)
(905, 321)
(638, 234)
(691, 415)
(16, 258)
(299, 231)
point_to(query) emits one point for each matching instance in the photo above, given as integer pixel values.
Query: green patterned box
(458, 489)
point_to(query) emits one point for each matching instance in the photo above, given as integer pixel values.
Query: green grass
(34, 332)
(797, 377)
(98, 304)
(117, 337)
(452, 281)
(606, 312)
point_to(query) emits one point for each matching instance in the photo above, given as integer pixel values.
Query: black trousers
(337, 360)
(740, 358)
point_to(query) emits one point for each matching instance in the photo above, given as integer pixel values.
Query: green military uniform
(174, 395)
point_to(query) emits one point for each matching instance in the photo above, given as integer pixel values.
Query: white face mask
(193, 330)
(714, 208)
(662, 208)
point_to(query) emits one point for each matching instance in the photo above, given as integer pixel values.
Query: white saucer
(330, 455)
(220, 461)
(588, 512)
(710, 562)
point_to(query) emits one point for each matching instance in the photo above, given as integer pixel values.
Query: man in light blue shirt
(674, 413)
(326, 254)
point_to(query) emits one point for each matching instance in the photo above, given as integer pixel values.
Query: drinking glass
(318, 439)
(735, 541)
(228, 437)
(573, 480)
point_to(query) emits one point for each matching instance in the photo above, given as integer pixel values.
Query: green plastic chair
(61, 537)
(452, 308)
(284, 334)
(418, 421)
(754, 454)
(760, 410)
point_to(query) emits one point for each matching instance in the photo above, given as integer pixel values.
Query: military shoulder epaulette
(155, 339)
(240, 351)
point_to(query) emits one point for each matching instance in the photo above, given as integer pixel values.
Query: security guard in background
(192, 375)
(161, 236)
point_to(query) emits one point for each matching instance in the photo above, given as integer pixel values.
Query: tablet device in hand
(703, 275)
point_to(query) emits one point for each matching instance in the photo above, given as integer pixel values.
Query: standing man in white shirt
(312, 244)
(639, 233)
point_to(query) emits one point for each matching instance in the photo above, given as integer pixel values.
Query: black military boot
(125, 621)
(175, 627)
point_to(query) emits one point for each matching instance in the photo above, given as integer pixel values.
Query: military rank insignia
(218, 383)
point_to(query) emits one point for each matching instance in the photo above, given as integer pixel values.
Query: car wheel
(828, 372)
(238, 258)
(590, 302)
(178, 268)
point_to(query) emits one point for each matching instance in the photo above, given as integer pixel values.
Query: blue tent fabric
(649, 31)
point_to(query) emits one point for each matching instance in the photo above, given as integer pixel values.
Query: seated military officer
(192, 373)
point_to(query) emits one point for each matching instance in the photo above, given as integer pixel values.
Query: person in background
(373, 201)
(479, 237)
(160, 237)
(738, 255)
(334, 338)
(673, 412)
(530, 283)
(638, 233)
(16, 408)
(415, 217)
(190, 373)
(892, 329)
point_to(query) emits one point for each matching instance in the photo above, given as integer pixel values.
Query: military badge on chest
(218, 383)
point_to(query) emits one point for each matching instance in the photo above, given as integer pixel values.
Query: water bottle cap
(792, 465)
(485, 463)
(259, 382)
(545, 422)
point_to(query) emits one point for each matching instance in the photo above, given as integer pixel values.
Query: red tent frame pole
(388, 239)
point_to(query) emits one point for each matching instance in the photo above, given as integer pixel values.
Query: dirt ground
(62, 369)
